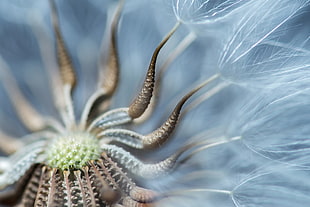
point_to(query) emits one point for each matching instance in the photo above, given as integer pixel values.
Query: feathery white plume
(276, 126)
(283, 187)
(259, 41)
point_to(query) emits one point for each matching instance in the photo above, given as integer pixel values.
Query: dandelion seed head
(236, 133)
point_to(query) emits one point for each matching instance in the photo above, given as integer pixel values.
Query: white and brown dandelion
(87, 162)
(218, 116)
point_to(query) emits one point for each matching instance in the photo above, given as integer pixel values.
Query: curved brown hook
(141, 102)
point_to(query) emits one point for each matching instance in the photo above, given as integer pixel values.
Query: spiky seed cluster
(85, 163)
(72, 151)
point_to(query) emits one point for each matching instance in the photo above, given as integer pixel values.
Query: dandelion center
(73, 151)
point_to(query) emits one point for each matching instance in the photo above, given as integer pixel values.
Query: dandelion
(208, 108)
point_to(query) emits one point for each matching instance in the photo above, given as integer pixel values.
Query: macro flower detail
(154, 103)
(74, 164)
